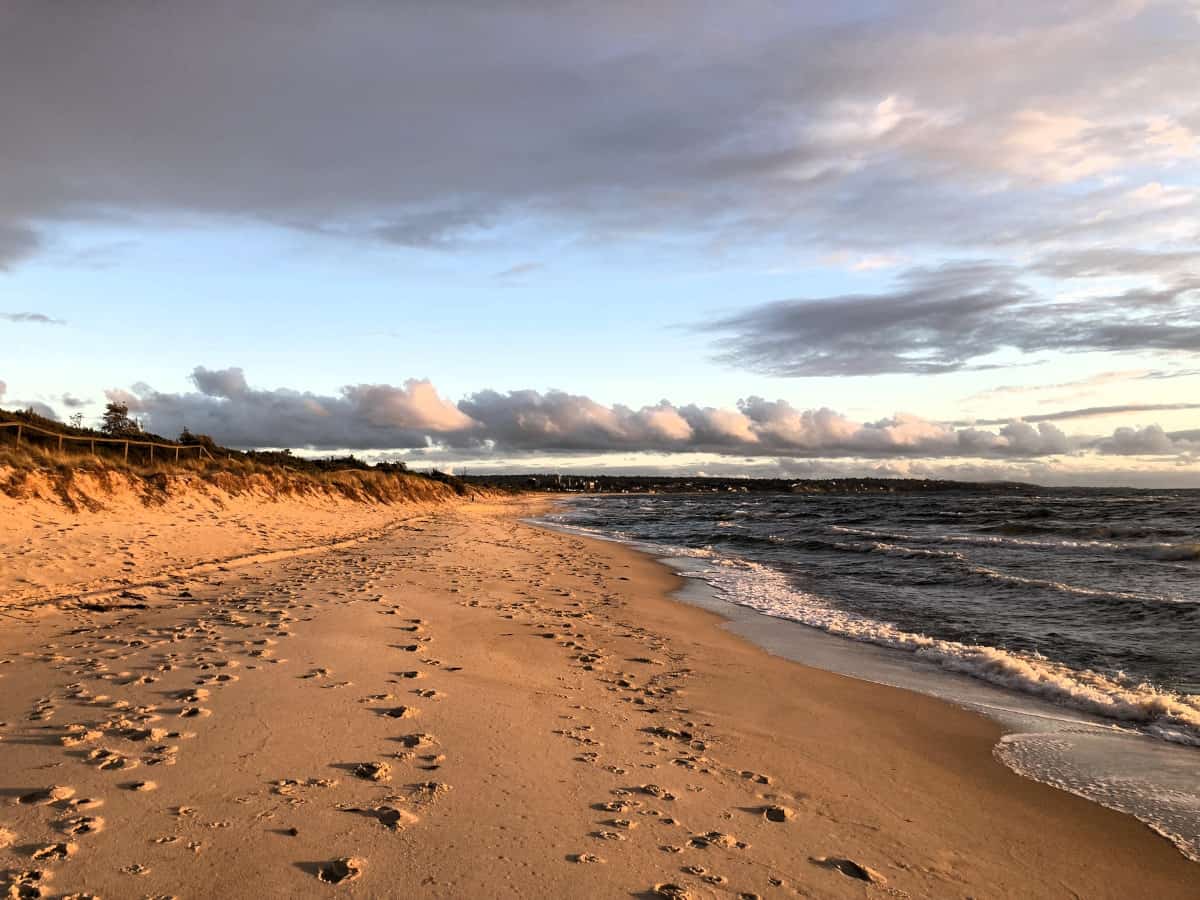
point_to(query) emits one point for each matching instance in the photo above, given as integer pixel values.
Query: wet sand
(462, 705)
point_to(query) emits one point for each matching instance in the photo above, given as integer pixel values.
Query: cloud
(360, 416)
(30, 318)
(1088, 412)
(1148, 441)
(225, 383)
(17, 242)
(860, 126)
(72, 402)
(518, 271)
(1105, 262)
(948, 318)
(523, 423)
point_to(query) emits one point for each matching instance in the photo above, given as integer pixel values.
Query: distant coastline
(631, 484)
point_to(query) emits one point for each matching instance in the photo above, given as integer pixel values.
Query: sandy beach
(443, 701)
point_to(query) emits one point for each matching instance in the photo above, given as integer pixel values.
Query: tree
(76, 420)
(191, 438)
(116, 420)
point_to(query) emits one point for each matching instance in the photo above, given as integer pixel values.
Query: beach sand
(446, 702)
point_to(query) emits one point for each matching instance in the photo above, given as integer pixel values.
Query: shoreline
(987, 738)
(1147, 777)
(567, 709)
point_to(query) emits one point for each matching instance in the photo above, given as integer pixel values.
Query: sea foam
(1157, 712)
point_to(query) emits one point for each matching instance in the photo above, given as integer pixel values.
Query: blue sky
(500, 237)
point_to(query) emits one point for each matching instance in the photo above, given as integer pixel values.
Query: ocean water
(1071, 616)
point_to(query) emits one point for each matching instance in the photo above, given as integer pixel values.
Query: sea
(1071, 617)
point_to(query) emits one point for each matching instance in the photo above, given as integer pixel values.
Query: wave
(1110, 530)
(1164, 714)
(1164, 552)
(1064, 588)
(900, 550)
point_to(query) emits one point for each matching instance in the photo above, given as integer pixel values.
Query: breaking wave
(1163, 714)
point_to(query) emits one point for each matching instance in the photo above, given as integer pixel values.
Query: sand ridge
(468, 706)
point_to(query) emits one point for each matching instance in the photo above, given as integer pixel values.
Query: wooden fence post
(176, 454)
(60, 446)
(151, 454)
(93, 446)
(127, 451)
(18, 434)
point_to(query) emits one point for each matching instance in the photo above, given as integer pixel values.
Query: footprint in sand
(78, 825)
(347, 868)
(617, 806)
(53, 852)
(388, 816)
(585, 858)
(654, 790)
(110, 759)
(27, 883)
(849, 868)
(373, 771)
(756, 777)
(717, 839)
(399, 712)
(608, 835)
(45, 796)
(79, 734)
(414, 741)
(776, 813)
(430, 789)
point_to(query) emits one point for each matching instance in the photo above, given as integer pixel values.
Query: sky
(936, 239)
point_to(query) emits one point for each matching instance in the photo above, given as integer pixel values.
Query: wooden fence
(23, 428)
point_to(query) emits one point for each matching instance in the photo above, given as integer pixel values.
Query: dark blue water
(1087, 598)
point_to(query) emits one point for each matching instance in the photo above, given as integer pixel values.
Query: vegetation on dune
(36, 463)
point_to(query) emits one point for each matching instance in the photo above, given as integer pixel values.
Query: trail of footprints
(652, 684)
(214, 644)
(218, 642)
(115, 734)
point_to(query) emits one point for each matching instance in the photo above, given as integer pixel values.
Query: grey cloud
(949, 318)
(442, 229)
(519, 270)
(30, 318)
(1099, 262)
(72, 402)
(225, 383)
(528, 422)
(1148, 441)
(419, 124)
(17, 241)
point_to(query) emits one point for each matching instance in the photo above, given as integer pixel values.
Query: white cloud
(520, 424)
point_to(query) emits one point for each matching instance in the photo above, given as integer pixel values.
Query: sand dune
(460, 705)
(101, 536)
